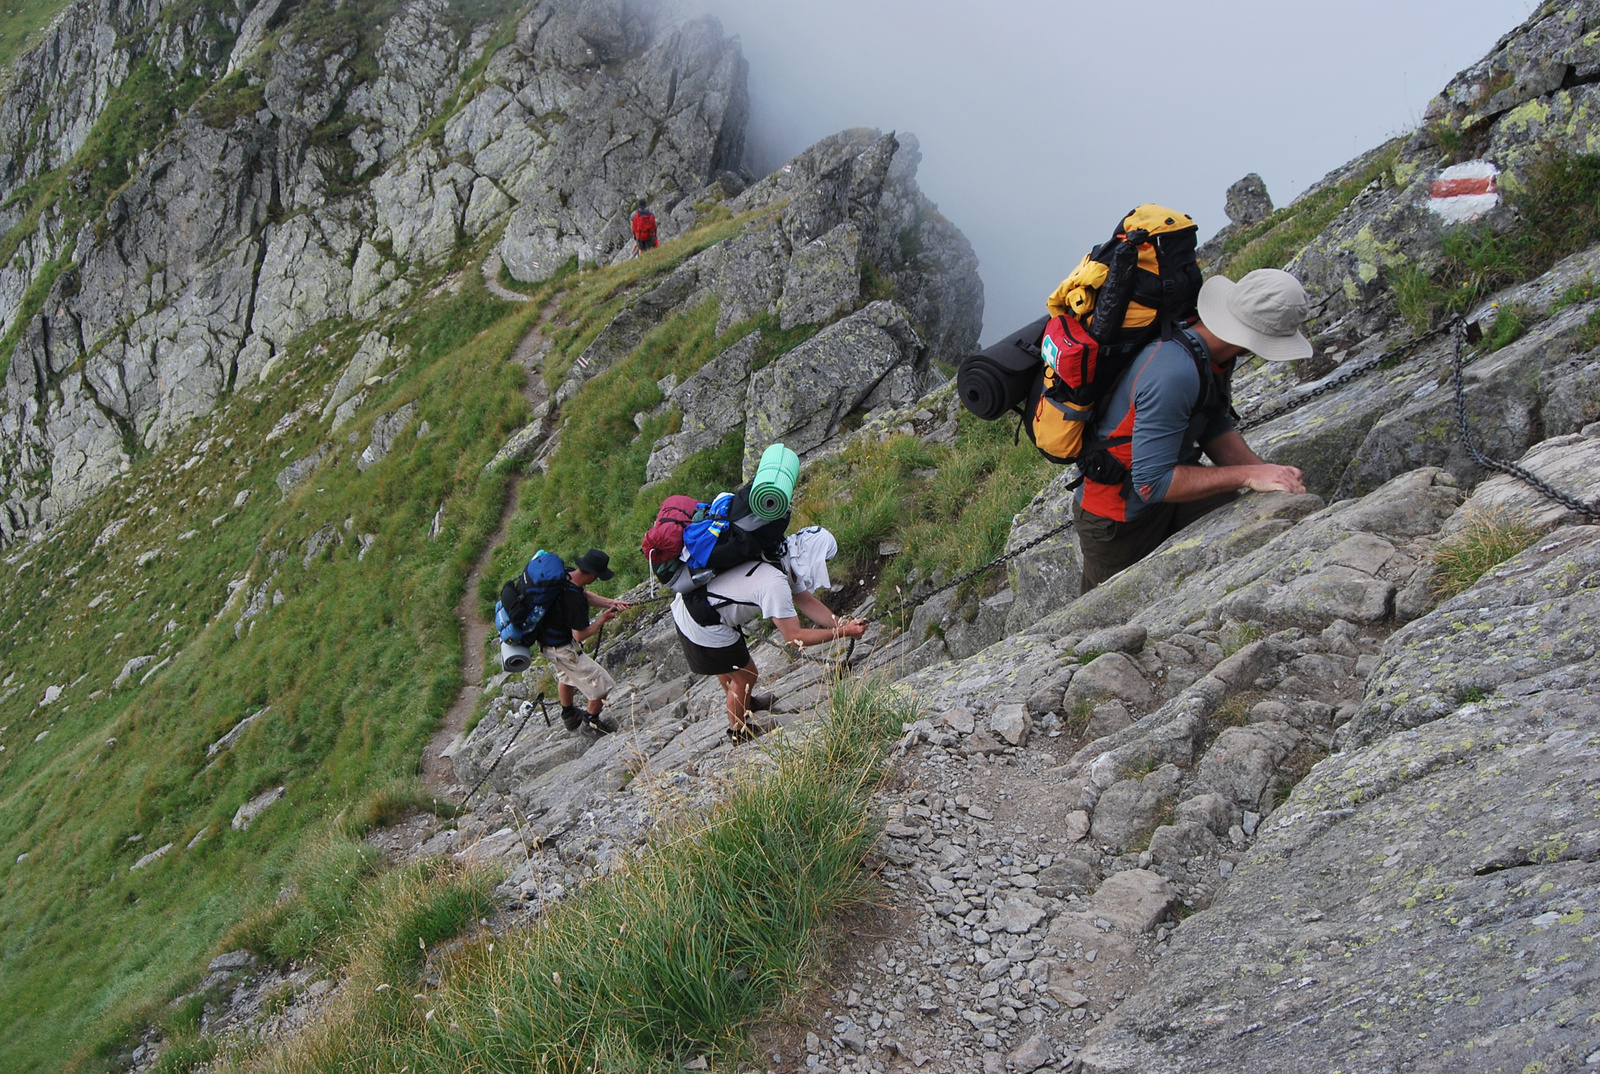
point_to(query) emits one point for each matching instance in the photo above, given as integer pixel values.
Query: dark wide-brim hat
(597, 563)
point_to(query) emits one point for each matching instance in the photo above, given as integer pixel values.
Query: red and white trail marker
(1464, 192)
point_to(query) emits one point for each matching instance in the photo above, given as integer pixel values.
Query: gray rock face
(801, 398)
(1346, 269)
(228, 243)
(823, 278)
(1455, 913)
(1529, 624)
(1046, 578)
(663, 125)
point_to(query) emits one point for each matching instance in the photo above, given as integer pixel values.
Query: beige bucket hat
(1262, 313)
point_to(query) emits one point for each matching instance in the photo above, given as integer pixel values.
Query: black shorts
(720, 661)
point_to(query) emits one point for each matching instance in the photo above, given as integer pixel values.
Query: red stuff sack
(1070, 351)
(663, 542)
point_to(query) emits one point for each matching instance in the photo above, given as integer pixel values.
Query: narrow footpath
(438, 773)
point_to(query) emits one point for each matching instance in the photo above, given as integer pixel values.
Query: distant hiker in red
(644, 228)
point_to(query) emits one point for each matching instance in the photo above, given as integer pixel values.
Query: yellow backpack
(1140, 284)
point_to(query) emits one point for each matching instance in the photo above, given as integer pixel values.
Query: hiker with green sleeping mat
(710, 620)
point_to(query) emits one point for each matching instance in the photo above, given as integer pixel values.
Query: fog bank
(1042, 123)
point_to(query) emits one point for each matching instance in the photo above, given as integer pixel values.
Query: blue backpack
(526, 598)
(731, 534)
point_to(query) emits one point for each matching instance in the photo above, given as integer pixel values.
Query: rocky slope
(327, 164)
(1263, 800)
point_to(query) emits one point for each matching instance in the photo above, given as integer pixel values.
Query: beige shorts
(578, 669)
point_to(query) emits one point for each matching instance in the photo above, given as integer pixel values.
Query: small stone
(852, 1037)
(1067, 997)
(813, 1044)
(697, 1063)
(979, 813)
(1077, 825)
(1031, 1054)
(979, 1019)
(993, 969)
(1090, 956)
(962, 722)
(852, 999)
(1016, 916)
(1251, 820)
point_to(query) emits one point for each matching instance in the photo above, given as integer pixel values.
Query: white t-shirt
(765, 593)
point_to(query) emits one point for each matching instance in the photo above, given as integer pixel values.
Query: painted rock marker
(1464, 192)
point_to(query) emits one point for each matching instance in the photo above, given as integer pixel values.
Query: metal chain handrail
(1456, 325)
(1511, 469)
(527, 718)
(1360, 369)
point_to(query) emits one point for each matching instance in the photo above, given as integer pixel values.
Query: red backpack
(644, 225)
(663, 542)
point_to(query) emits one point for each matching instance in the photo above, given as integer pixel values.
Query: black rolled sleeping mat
(999, 377)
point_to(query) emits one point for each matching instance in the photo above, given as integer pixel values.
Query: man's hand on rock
(1268, 477)
(607, 615)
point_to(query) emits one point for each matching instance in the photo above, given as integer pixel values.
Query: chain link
(1360, 369)
(989, 566)
(1511, 469)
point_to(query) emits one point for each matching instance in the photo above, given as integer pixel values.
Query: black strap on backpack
(698, 603)
(1097, 464)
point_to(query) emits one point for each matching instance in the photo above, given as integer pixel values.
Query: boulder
(1011, 723)
(1181, 842)
(1241, 764)
(1247, 201)
(1127, 638)
(1111, 675)
(802, 398)
(1135, 899)
(712, 401)
(1135, 807)
(1210, 809)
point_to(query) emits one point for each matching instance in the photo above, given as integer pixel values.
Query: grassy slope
(22, 22)
(678, 955)
(357, 664)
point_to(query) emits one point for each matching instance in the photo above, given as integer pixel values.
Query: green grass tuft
(1488, 540)
(679, 955)
(1274, 242)
(1510, 324)
(950, 505)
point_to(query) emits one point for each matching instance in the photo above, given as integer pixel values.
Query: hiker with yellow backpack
(1129, 377)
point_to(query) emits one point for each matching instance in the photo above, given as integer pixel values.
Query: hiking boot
(599, 724)
(751, 731)
(571, 717)
(760, 702)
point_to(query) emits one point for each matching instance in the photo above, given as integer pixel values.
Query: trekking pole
(506, 749)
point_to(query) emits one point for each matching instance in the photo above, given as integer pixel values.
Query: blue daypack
(526, 598)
